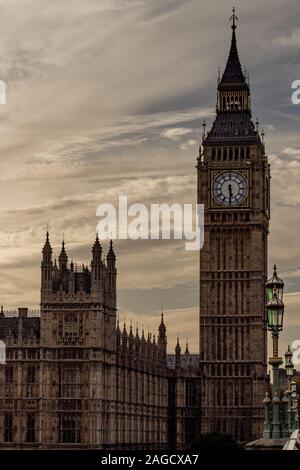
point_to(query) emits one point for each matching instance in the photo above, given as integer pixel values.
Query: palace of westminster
(74, 378)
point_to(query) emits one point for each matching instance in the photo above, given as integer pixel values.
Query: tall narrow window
(30, 381)
(30, 427)
(9, 380)
(70, 428)
(8, 427)
(190, 393)
(70, 382)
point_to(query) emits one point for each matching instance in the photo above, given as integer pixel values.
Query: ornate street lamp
(295, 403)
(275, 312)
(267, 425)
(289, 370)
(289, 366)
(294, 389)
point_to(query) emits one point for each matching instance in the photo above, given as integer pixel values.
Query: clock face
(230, 189)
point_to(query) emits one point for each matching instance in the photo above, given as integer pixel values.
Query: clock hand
(230, 193)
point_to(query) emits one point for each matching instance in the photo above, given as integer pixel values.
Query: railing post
(267, 425)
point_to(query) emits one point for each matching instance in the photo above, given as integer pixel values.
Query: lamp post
(267, 425)
(275, 311)
(289, 366)
(295, 404)
(289, 370)
(285, 417)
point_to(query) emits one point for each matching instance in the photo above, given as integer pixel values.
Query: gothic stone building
(73, 379)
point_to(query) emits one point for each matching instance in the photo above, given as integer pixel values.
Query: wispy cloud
(109, 96)
(292, 39)
(175, 133)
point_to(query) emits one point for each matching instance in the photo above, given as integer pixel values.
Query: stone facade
(72, 379)
(184, 397)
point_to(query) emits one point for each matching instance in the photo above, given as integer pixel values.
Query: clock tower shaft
(233, 262)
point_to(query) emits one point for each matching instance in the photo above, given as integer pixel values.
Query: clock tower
(233, 185)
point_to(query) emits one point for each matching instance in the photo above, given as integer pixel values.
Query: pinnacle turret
(63, 258)
(162, 328)
(47, 249)
(177, 354)
(97, 249)
(111, 257)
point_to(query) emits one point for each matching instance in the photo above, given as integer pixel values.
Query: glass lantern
(275, 311)
(289, 366)
(274, 283)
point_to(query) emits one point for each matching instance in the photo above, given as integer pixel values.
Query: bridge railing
(294, 441)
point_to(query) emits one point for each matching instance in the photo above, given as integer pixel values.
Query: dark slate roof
(236, 126)
(233, 73)
(10, 325)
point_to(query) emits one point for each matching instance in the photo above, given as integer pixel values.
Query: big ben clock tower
(233, 185)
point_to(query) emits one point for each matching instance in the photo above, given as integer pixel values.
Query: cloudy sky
(107, 97)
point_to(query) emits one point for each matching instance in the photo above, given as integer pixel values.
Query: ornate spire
(97, 252)
(111, 258)
(143, 335)
(177, 354)
(162, 326)
(130, 330)
(47, 251)
(97, 246)
(111, 254)
(233, 71)
(47, 247)
(233, 122)
(137, 336)
(63, 258)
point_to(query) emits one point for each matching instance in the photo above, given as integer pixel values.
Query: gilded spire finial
(233, 19)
